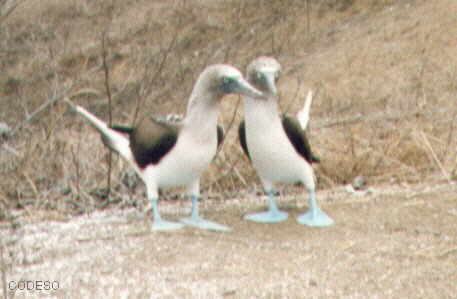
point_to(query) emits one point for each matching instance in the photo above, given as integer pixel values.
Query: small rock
(174, 117)
(359, 186)
(130, 178)
(169, 118)
(359, 183)
(229, 292)
(313, 283)
(5, 130)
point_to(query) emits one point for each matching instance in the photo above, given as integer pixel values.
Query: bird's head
(263, 73)
(224, 79)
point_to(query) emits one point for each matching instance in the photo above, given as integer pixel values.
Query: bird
(165, 154)
(277, 146)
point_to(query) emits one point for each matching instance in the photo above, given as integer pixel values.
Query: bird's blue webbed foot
(196, 221)
(268, 216)
(315, 217)
(273, 215)
(159, 224)
(201, 223)
(165, 225)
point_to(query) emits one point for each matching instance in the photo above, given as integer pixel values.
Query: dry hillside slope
(385, 72)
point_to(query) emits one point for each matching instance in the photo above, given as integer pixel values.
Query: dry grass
(385, 71)
(386, 76)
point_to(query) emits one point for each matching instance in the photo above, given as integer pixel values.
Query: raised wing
(298, 138)
(151, 140)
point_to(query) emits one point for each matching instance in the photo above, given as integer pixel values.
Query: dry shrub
(386, 78)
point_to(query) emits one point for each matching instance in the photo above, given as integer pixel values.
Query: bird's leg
(315, 216)
(273, 215)
(158, 224)
(195, 219)
(195, 208)
(155, 210)
(272, 205)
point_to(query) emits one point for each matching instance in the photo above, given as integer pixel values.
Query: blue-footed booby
(166, 154)
(277, 145)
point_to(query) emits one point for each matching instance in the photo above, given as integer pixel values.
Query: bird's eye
(228, 83)
(259, 76)
(276, 76)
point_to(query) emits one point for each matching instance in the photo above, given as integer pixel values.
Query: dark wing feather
(242, 138)
(122, 129)
(298, 138)
(151, 140)
(220, 135)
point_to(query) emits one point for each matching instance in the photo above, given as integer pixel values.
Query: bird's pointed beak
(271, 84)
(244, 88)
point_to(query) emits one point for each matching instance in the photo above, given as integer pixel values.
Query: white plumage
(175, 155)
(277, 145)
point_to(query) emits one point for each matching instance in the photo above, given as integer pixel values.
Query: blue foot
(270, 216)
(164, 225)
(315, 218)
(201, 223)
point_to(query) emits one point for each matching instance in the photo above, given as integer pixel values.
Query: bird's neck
(201, 116)
(261, 112)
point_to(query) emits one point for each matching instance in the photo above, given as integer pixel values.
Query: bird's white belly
(183, 165)
(275, 158)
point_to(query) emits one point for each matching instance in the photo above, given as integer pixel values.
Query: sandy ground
(396, 242)
(400, 241)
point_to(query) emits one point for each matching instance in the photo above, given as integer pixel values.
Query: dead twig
(110, 112)
(3, 271)
(11, 150)
(308, 19)
(450, 137)
(376, 117)
(374, 151)
(292, 100)
(77, 165)
(147, 80)
(235, 112)
(32, 184)
(447, 252)
(7, 8)
(56, 96)
(435, 157)
(240, 177)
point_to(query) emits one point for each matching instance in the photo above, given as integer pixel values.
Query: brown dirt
(386, 78)
(397, 242)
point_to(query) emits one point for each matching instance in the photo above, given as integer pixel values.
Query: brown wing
(298, 138)
(151, 140)
(220, 135)
(242, 138)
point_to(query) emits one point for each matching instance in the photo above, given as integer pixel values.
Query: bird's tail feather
(112, 138)
(303, 114)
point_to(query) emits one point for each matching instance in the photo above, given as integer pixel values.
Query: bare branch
(235, 112)
(56, 96)
(3, 271)
(435, 157)
(142, 96)
(7, 7)
(110, 112)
